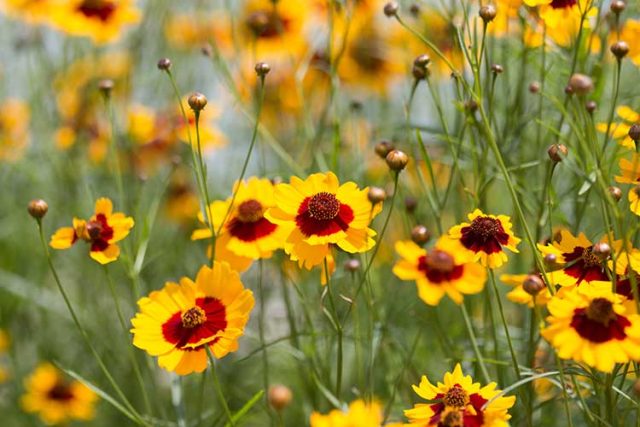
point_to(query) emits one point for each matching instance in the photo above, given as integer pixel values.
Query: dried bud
(620, 49)
(38, 208)
(420, 235)
(383, 148)
(602, 250)
(422, 60)
(414, 9)
(618, 6)
(105, 86)
(488, 13)
(164, 64)
(534, 87)
(197, 101)
(262, 69)
(410, 204)
(634, 132)
(591, 106)
(397, 160)
(279, 397)
(352, 265)
(391, 9)
(497, 69)
(557, 152)
(616, 193)
(581, 83)
(376, 195)
(533, 284)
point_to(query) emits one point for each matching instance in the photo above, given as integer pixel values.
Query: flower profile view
(590, 324)
(486, 237)
(321, 212)
(458, 401)
(176, 323)
(102, 231)
(443, 270)
(56, 400)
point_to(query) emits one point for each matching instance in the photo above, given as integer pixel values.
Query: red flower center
(323, 215)
(99, 232)
(100, 9)
(193, 317)
(249, 224)
(324, 206)
(438, 266)
(599, 323)
(267, 24)
(204, 320)
(440, 260)
(60, 392)
(456, 408)
(250, 211)
(561, 4)
(452, 419)
(484, 234)
(456, 397)
(624, 286)
(583, 264)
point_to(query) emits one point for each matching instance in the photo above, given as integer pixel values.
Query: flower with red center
(458, 401)
(246, 234)
(359, 413)
(620, 131)
(576, 257)
(56, 400)
(319, 212)
(443, 270)
(102, 231)
(590, 324)
(630, 174)
(563, 16)
(486, 237)
(177, 322)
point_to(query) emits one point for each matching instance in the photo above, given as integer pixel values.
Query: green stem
(218, 386)
(514, 359)
(474, 344)
(339, 330)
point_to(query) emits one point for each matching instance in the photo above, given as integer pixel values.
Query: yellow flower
(458, 401)
(177, 322)
(359, 414)
(444, 270)
(14, 129)
(630, 170)
(210, 135)
(103, 230)
(182, 202)
(101, 20)
(30, 11)
(562, 20)
(56, 400)
(320, 212)
(486, 237)
(520, 296)
(4, 346)
(193, 30)
(620, 131)
(589, 324)
(631, 32)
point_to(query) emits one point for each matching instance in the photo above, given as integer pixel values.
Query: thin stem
(218, 387)
(474, 344)
(338, 327)
(514, 358)
(261, 296)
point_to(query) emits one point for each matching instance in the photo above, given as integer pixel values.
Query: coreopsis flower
(518, 293)
(458, 401)
(486, 237)
(627, 269)
(103, 21)
(102, 231)
(443, 270)
(620, 131)
(579, 264)
(30, 11)
(590, 324)
(319, 212)
(176, 323)
(359, 414)
(630, 174)
(631, 31)
(193, 30)
(56, 400)
(14, 129)
(245, 233)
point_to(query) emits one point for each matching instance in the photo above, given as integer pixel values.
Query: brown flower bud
(207, 50)
(164, 64)
(105, 86)
(616, 193)
(534, 87)
(397, 160)
(602, 250)
(262, 69)
(420, 235)
(581, 83)
(419, 73)
(568, 90)
(376, 195)
(352, 265)
(410, 204)
(533, 284)
(414, 9)
(279, 397)
(591, 106)
(391, 9)
(197, 101)
(620, 49)
(634, 132)
(618, 6)
(497, 69)
(422, 60)
(551, 260)
(383, 148)
(557, 152)
(488, 13)
(37, 208)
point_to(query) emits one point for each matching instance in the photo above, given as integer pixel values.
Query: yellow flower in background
(458, 401)
(104, 21)
(630, 174)
(486, 237)
(590, 324)
(176, 323)
(210, 135)
(520, 296)
(320, 212)
(103, 230)
(181, 203)
(56, 400)
(562, 20)
(194, 30)
(631, 32)
(4, 347)
(14, 129)
(506, 21)
(443, 270)
(30, 11)
(620, 130)
(359, 414)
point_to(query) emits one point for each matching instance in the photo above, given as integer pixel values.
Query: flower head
(56, 400)
(103, 230)
(590, 324)
(359, 414)
(620, 130)
(14, 129)
(177, 322)
(485, 238)
(443, 270)
(458, 401)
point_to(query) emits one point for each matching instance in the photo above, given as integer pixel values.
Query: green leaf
(246, 408)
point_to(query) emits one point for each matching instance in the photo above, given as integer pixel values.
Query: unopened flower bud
(616, 193)
(37, 208)
(262, 69)
(620, 49)
(197, 101)
(534, 87)
(581, 83)
(420, 235)
(414, 9)
(352, 265)
(105, 86)
(391, 9)
(618, 6)
(279, 397)
(497, 69)
(376, 195)
(422, 60)
(590, 106)
(533, 284)
(602, 250)
(410, 204)
(488, 13)
(383, 148)
(419, 73)
(397, 160)
(634, 132)
(568, 90)
(557, 152)
(164, 64)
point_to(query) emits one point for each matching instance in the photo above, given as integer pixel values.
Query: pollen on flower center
(590, 259)
(101, 9)
(193, 317)
(485, 227)
(324, 206)
(94, 229)
(601, 311)
(440, 261)
(561, 4)
(250, 211)
(60, 392)
(456, 397)
(453, 419)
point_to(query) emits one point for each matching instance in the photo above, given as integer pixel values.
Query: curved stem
(218, 386)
